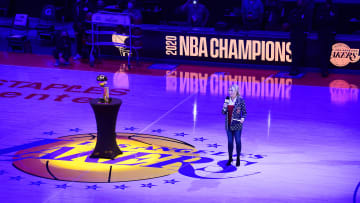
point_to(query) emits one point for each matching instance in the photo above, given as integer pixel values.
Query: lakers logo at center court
(144, 156)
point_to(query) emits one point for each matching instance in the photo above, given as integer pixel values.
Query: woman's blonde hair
(235, 88)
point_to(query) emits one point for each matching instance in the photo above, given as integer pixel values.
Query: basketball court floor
(300, 141)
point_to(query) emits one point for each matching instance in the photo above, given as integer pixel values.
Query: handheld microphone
(227, 100)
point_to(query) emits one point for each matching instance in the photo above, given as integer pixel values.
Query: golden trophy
(102, 81)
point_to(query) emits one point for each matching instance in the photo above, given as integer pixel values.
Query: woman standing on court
(235, 111)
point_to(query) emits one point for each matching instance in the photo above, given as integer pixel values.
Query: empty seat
(46, 27)
(18, 37)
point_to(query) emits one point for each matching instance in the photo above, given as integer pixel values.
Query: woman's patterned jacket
(238, 113)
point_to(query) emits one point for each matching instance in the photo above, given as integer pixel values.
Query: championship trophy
(102, 81)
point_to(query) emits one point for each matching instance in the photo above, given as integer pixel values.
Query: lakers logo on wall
(342, 55)
(144, 157)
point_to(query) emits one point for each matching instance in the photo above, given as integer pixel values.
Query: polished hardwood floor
(300, 141)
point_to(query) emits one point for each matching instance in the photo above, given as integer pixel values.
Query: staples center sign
(342, 55)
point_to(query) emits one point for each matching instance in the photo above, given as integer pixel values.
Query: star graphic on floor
(16, 178)
(94, 187)
(149, 185)
(123, 187)
(214, 145)
(63, 186)
(131, 128)
(75, 129)
(37, 183)
(172, 181)
(180, 134)
(201, 139)
(157, 130)
(49, 133)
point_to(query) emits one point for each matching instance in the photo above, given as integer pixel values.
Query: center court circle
(68, 158)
